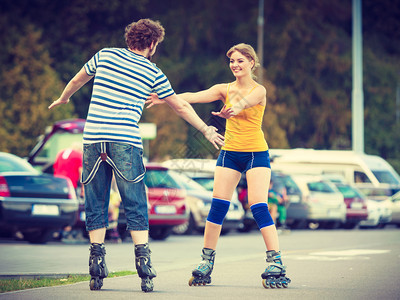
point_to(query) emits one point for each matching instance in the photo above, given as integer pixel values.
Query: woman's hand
(225, 113)
(210, 133)
(153, 99)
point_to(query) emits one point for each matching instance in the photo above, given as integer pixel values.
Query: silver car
(327, 208)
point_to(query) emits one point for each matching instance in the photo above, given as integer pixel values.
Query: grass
(8, 285)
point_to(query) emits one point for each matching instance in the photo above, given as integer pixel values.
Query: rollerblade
(201, 274)
(144, 268)
(97, 266)
(275, 274)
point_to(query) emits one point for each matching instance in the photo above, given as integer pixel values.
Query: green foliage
(28, 85)
(307, 62)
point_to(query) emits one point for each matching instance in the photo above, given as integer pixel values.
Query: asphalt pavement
(321, 264)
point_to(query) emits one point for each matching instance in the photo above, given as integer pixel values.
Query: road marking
(350, 254)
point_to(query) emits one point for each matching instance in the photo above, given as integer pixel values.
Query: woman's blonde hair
(248, 52)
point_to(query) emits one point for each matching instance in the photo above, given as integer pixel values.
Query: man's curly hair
(139, 35)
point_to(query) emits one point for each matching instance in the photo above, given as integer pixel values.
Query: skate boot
(275, 274)
(97, 266)
(201, 274)
(144, 268)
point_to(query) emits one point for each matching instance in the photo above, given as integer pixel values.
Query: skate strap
(278, 266)
(208, 257)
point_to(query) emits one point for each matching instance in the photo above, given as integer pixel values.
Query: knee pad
(261, 215)
(219, 209)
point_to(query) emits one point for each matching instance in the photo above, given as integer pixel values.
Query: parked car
(33, 203)
(56, 138)
(163, 201)
(166, 203)
(199, 201)
(326, 204)
(202, 172)
(297, 210)
(395, 199)
(375, 211)
(356, 204)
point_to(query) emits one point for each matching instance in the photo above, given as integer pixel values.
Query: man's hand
(225, 112)
(58, 102)
(210, 133)
(153, 99)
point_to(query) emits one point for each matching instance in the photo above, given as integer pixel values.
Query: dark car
(296, 210)
(356, 205)
(33, 203)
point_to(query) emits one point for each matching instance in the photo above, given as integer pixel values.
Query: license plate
(333, 213)
(356, 205)
(165, 209)
(294, 199)
(45, 210)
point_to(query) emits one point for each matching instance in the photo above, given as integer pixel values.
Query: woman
(245, 151)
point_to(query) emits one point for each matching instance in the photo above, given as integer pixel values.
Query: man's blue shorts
(243, 161)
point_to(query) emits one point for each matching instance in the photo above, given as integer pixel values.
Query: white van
(370, 173)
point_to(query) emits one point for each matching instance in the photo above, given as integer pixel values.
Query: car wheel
(298, 224)
(160, 233)
(331, 225)
(38, 236)
(185, 229)
(349, 225)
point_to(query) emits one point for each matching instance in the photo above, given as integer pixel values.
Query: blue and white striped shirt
(122, 82)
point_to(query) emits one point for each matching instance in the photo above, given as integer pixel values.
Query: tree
(28, 85)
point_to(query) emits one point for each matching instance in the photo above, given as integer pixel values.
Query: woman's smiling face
(240, 64)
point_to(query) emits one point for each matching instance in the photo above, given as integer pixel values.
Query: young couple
(124, 80)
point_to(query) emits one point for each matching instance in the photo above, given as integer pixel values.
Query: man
(123, 79)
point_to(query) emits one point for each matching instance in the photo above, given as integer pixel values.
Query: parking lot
(322, 264)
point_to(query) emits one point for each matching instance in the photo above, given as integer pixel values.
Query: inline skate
(201, 274)
(275, 274)
(97, 266)
(144, 267)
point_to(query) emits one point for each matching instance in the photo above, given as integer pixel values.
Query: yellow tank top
(243, 132)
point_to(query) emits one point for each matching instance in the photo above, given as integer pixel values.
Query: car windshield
(386, 177)
(320, 186)
(349, 192)
(291, 186)
(58, 142)
(160, 179)
(15, 164)
(206, 182)
(187, 182)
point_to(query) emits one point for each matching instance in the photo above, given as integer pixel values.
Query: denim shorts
(100, 161)
(243, 161)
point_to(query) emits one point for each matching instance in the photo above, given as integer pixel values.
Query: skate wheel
(96, 284)
(191, 281)
(264, 283)
(285, 285)
(147, 285)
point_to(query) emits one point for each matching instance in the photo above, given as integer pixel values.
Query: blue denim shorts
(243, 161)
(100, 161)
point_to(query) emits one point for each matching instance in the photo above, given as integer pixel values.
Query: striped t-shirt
(122, 82)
